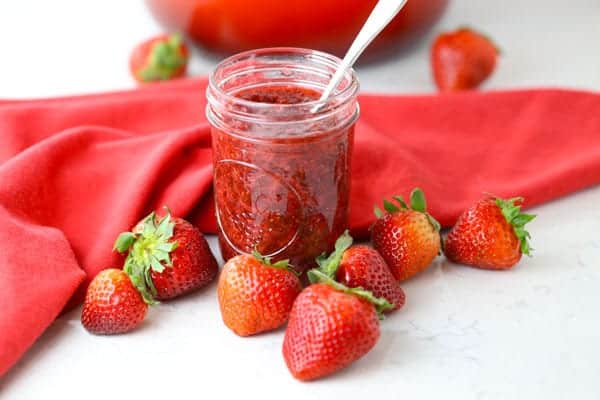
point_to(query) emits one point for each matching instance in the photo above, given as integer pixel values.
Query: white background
(59, 47)
(529, 333)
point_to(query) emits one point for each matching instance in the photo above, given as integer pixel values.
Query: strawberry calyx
(330, 264)
(511, 209)
(417, 203)
(380, 304)
(164, 59)
(281, 264)
(149, 246)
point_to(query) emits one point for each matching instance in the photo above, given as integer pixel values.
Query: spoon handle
(383, 12)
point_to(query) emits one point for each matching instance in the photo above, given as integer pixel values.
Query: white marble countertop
(528, 333)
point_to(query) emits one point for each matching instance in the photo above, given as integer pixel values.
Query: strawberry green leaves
(417, 203)
(124, 242)
(164, 59)
(149, 249)
(381, 304)
(152, 247)
(326, 273)
(140, 278)
(329, 264)
(400, 201)
(436, 225)
(389, 206)
(511, 209)
(281, 264)
(417, 200)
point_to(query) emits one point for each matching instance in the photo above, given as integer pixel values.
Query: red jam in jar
(281, 169)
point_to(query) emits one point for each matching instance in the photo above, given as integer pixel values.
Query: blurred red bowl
(230, 26)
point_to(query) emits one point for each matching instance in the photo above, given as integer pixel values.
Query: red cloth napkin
(76, 171)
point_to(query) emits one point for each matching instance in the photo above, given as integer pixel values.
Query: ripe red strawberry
(330, 326)
(112, 304)
(462, 59)
(362, 266)
(408, 239)
(160, 58)
(167, 257)
(490, 234)
(256, 296)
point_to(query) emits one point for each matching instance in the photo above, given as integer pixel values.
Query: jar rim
(344, 95)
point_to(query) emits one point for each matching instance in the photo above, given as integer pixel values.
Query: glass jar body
(282, 171)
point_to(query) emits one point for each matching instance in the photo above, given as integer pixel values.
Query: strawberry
(160, 58)
(408, 239)
(255, 295)
(362, 266)
(462, 59)
(330, 326)
(112, 304)
(167, 257)
(490, 234)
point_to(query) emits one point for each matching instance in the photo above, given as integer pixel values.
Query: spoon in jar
(383, 12)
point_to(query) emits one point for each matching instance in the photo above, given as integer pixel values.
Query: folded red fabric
(76, 171)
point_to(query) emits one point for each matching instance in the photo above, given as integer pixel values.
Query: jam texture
(284, 195)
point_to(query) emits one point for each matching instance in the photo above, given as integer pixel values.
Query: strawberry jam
(281, 170)
(279, 95)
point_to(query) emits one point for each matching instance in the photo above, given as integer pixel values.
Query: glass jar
(281, 168)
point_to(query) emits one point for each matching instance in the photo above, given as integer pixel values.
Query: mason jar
(281, 157)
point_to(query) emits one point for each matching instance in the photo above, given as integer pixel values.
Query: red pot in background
(231, 26)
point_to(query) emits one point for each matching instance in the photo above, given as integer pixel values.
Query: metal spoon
(383, 12)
